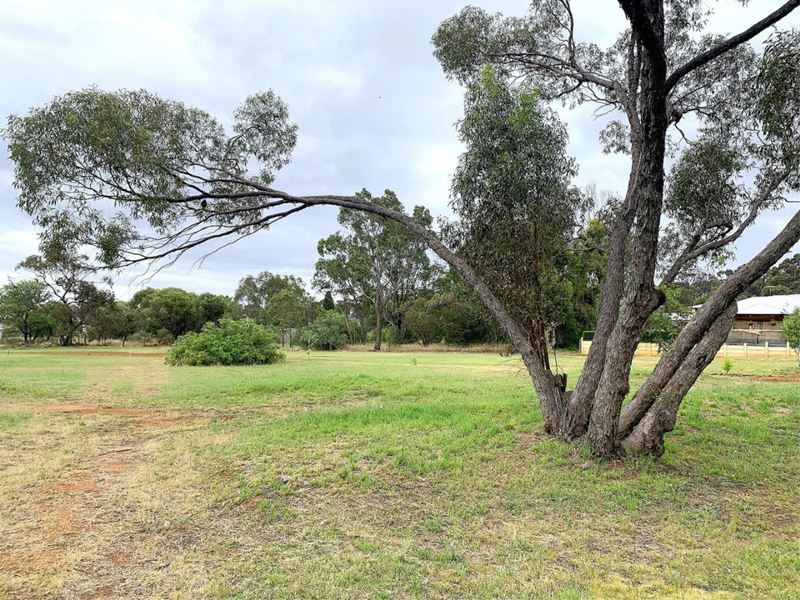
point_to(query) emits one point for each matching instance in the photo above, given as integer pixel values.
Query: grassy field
(399, 475)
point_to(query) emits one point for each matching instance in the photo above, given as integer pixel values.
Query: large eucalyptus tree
(176, 180)
(374, 261)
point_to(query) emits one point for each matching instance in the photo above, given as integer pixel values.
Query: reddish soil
(787, 377)
(120, 558)
(80, 485)
(56, 517)
(91, 409)
(99, 353)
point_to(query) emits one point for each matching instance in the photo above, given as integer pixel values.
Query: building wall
(759, 322)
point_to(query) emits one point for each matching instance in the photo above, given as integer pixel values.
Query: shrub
(327, 332)
(229, 343)
(791, 331)
(386, 335)
(164, 337)
(727, 365)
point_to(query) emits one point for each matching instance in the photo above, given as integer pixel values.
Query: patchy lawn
(381, 475)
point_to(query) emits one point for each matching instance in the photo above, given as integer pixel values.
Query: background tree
(327, 332)
(585, 270)
(254, 291)
(126, 322)
(176, 179)
(327, 301)
(103, 324)
(76, 298)
(288, 310)
(166, 313)
(211, 308)
(421, 320)
(22, 307)
(783, 278)
(374, 261)
(791, 331)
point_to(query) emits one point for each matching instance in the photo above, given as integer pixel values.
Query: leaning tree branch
(547, 384)
(703, 319)
(694, 251)
(728, 44)
(648, 435)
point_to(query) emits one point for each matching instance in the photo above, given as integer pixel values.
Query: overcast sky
(373, 107)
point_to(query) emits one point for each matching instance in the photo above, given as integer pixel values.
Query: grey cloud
(373, 107)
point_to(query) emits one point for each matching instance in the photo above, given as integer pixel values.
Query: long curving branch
(695, 250)
(730, 43)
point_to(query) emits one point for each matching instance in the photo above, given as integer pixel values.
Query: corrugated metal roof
(769, 305)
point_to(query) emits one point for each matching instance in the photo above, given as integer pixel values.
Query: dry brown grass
(348, 475)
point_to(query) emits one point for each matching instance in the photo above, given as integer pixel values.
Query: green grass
(357, 474)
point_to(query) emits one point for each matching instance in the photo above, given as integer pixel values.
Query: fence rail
(727, 350)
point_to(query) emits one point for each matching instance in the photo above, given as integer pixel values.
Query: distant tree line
(376, 284)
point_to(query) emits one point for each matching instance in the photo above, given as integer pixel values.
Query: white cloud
(23, 242)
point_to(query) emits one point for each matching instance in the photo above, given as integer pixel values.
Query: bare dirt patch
(72, 487)
(92, 409)
(68, 528)
(99, 353)
(141, 417)
(788, 377)
(529, 439)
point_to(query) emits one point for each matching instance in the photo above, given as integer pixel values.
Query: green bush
(327, 332)
(229, 343)
(386, 335)
(791, 330)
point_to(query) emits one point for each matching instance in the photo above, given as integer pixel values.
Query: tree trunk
(648, 435)
(612, 431)
(703, 322)
(378, 326)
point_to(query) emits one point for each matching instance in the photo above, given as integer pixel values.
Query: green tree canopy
(375, 262)
(23, 307)
(63, 272)
(518, 211)
(170, 310)
(327, 332)
(253, 293)
(791, 330)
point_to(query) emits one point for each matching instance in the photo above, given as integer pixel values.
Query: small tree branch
(694, 251)
(729, 44)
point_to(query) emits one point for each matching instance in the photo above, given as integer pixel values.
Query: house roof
(769, 305)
